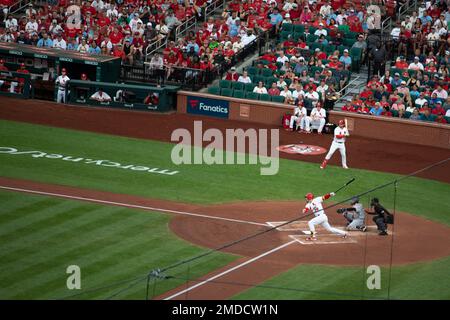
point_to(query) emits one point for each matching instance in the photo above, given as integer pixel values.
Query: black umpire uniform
(382, 216)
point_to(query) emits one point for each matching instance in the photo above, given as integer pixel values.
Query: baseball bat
(346, 184)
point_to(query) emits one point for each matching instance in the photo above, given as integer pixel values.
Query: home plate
(323, 239)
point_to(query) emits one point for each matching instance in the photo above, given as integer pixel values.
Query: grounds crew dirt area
(274, 252)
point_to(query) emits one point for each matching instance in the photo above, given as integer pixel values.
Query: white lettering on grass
(104, 163)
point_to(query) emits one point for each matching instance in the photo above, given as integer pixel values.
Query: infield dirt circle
(362, 249)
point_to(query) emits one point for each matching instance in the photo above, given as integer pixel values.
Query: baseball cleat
(345, 167)
(312, 238)
(383, 233)
(364, 229)
(345, 236)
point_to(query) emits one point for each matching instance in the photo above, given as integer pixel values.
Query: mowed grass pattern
(416, 281)
(40, 237)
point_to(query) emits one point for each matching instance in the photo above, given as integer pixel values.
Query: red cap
(341, 123)
(22, 64)
(63, 70)
(309, 196)
(2, 61)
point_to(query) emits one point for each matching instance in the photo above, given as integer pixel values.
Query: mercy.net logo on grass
(233, 142)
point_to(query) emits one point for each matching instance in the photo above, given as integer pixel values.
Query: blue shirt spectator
(45, 42)
(192, 45)
(94, 49)
(275, 17)
(234, 30)
(396, 81)
(376, 110)
(346, 59)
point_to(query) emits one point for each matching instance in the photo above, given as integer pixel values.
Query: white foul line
(128, 205)
(230, 270)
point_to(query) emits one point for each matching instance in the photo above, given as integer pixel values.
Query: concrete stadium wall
(383, 128)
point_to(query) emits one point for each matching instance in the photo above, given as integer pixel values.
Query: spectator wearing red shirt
(438, 109)
(440, 119)
(348, 107)
(2, 66)
(232, 75)
(274, 91)
(401, 63)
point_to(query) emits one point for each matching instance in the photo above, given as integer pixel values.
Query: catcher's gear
(389, 218)
(354, 200)
(341, 210)
(309, 196)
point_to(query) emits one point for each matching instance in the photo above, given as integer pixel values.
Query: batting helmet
(63, 70)
(309, 196)
(354, 200)
(341, 123)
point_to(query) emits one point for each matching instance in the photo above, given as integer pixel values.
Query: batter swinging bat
(350, 181)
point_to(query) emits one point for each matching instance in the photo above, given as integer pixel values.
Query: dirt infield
(216, 225)
(361, 153)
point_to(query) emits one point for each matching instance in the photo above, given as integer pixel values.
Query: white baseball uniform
(317, 118)
(61, 81)
(339, 143)
(315, 206)
(299, 116)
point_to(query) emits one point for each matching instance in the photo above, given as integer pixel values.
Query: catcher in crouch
(314, 205)
(355, 215)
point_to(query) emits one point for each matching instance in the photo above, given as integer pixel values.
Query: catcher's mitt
(341, 210)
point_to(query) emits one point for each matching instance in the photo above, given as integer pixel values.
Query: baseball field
(97, 188)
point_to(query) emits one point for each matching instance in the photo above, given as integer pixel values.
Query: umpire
(382, 217)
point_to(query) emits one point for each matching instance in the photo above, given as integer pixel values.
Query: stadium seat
(214, 90)
(297, 35)
(224, 84)
(252, 71)
(448, 119)
(287, 27)
(252, 95)
(316, 45)
(269, 80)
(226, 92)
(266, 72)
(407, 114)
(284, 35)
(299, 28)
(278, 99)
(239, 94)
(237, 85)
(329, 49)
(311, 37)
(349, 42)
(264, 97)
(394, 113)
(249, 86)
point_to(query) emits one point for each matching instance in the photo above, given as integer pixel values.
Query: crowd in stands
(416, 86)
(119, 28)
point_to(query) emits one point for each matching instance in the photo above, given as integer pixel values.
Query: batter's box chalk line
(301, 226)
(323, 239)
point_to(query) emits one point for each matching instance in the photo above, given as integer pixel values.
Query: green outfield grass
(195, 183)
(416, 281)
(40, 237)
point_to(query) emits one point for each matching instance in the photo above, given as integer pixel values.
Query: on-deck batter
(340, 133)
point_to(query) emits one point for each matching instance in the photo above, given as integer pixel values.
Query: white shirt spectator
(288, 6)
(395, 33)
(60, 44)
(312, 95)
(11, 24)
(231, 20)
(260, 90)
(286, 94)
(108, 44)
(415, 66)
(296, 93)
(420, 101)
(283, 59)
(31, 27)
(83, 48)
(320, 32)
(447, 114)
(112, 12)
(238, 45)
(441, 93)
(244, 79)
(134, 22)
(325, 10)
(98, 4)
(281, 83)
